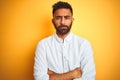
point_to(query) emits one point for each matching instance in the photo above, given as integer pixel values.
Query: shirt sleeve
(40, 64)
(87, 63)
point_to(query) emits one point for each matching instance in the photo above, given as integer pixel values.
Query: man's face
(62, 20)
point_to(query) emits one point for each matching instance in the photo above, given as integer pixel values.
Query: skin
(63, 19)
(76, 73)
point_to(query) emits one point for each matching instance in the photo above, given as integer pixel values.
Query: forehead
(62, 12)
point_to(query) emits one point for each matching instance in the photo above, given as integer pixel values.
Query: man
(64, 56)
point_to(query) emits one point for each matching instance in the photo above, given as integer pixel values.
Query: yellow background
(25, 22)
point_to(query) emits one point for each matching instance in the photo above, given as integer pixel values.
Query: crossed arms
(76, 73)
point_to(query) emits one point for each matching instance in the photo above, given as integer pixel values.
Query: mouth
(63, 27)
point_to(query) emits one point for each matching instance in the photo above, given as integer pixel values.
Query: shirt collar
(68, 38)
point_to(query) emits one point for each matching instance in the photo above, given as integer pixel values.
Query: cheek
(57, 23)
(69, 22)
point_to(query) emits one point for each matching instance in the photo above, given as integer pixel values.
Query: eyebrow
(63, 16)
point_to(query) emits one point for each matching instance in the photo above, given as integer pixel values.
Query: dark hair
(61, 4)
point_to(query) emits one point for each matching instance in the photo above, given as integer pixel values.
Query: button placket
(65, 62)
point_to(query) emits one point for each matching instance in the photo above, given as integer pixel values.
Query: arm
(65, 76)
(87, 63)
(40, 64)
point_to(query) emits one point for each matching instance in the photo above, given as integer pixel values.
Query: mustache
(63, 26)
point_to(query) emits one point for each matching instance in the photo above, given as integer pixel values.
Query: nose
(63, 20)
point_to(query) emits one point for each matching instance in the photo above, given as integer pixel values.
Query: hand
(77, 73)
(50, 72)
(62, 76)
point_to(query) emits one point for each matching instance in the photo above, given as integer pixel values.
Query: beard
(63, 29)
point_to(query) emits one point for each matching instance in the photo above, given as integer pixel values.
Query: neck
(62, 36)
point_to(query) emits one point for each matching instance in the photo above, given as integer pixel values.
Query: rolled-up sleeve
(87, 63)
(40, 64)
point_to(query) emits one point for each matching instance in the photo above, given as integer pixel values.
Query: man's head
(62, 17)
(61, 4)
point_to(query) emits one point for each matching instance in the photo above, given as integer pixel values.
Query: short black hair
(61, 4)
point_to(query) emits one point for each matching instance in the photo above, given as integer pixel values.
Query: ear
(52, 20)
(72, 19)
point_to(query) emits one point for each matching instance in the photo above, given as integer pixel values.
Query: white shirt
(63, 56)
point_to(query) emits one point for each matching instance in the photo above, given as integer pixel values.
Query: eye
(67, 17)
(57, 17)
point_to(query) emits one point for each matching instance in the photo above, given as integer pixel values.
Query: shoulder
(46, 40)
(81, 41)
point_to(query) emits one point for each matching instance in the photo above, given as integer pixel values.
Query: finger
(50, 72)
